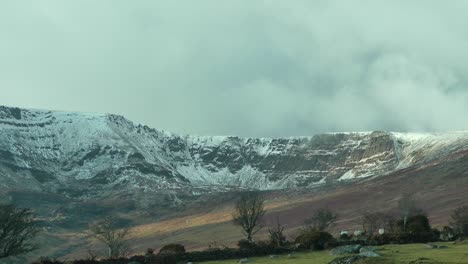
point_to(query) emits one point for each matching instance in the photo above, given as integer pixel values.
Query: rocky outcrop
(345, 250)
(83, 155)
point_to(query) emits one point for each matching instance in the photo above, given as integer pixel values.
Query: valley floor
(390, 254)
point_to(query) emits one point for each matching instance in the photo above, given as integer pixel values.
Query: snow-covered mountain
(75, 168)
(84, 155)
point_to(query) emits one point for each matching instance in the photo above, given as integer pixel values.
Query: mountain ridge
(91, 146)
(74, 168)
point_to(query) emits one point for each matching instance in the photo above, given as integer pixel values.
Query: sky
(243, 67)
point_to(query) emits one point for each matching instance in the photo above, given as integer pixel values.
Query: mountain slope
(73, 168)
(80, 154)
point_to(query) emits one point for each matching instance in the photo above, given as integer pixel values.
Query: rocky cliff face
(82, 155)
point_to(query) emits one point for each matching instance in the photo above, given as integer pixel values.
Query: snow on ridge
(75, 135)
(67, 115)
(422, 147)
(349, 175)
(414, 136)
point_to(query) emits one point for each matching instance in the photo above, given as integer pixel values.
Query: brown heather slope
(439, 187)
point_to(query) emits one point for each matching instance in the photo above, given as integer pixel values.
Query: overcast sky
(249, 68)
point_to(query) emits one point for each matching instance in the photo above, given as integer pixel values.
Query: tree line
(19, 228)
(410, 225)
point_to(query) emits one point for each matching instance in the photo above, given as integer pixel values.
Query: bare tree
(249, 211)
(276, 234)
(408, 207)
(114, 238)
(92, 254)
(321, 220)
(372, 222)
(17, 231)
(459, 221)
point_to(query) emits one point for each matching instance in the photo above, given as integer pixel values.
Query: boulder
(343, 250)
(434, 246)
(369, 254)
(244, 260)
(367, 249)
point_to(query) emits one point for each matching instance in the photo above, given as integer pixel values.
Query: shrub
(345, 237)
(172, 249)
(404, 238)
(384, 239)
(149, 255)
(260, 248)
(277, 237)
(435, 234)
(447, 234)
(317, 240)
(160, 259)
(394, 238)
(459, 221)
(245, 244)
(418, 230)
(149, 251)
(418, 224)
(45, 260)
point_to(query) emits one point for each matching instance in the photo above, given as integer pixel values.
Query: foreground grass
(391, 254)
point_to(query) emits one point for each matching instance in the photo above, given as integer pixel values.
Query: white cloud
(253, 68)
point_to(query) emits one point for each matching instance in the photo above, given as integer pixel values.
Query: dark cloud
(252, 68)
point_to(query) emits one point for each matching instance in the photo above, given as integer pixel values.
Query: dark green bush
(317, 240)
(447, 234)
(414, 224)
(259, 248)
(459, 221)
(244, 244)
(46, 260)
(404, 238)
(418, 230)
(435, 234)
(172, 249)
(345, 237)
(160, 259)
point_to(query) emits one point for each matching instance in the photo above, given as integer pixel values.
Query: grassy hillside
(390, 254)
(200, 224)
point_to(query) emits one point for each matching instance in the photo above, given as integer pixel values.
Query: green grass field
(419, 253)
